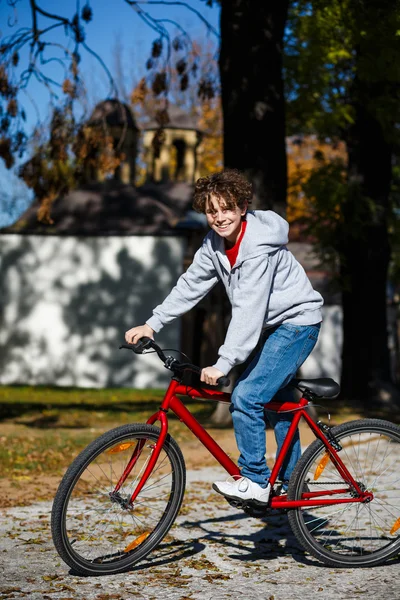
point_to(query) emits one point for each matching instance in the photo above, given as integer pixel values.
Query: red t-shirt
(233, 252)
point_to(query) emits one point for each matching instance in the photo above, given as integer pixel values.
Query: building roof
(178, 119)
(114, 113)
(114, 208)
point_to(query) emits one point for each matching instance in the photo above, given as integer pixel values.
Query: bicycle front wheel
(351, 534)
(94, 528)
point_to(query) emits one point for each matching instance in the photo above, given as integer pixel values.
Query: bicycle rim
(94, 529)
(351, 534)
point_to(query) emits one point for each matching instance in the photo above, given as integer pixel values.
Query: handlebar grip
(224, 381)
(143, 344)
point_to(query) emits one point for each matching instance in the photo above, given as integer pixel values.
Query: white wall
(66, 302)
(325, 360)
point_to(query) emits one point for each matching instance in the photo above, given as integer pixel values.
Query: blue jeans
(284, 349)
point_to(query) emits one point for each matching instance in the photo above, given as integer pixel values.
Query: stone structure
(176, 160)
(116, 119)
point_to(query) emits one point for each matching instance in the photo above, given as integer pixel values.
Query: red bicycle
(121, 495)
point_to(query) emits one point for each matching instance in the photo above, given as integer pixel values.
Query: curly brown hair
(229, 185)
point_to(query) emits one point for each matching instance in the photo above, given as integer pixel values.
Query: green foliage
(319, 67)
(337, 54)
(329, 198)
(343, 57)
(325, 192)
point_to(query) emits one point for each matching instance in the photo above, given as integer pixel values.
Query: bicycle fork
(160, 416)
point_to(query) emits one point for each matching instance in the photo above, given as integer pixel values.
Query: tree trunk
(365, 258)
(253, 106)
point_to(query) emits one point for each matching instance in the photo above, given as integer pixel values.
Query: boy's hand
(136, 333)
(210, 375)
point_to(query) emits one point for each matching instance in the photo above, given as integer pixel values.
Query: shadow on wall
(67, 302)
(17, 297)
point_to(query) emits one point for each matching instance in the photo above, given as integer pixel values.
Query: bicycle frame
(172, 402)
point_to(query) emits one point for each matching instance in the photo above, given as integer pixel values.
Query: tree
(253, 104)
(206, 108)
(305, 155)
(350, 53)
(342, 74)
(63, 159)
(60, 157)
(250, 73)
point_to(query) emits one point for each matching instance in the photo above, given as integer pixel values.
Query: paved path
(214, 552)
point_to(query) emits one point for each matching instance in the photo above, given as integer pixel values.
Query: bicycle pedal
(255, 509)
(235, 503)
(252, 508)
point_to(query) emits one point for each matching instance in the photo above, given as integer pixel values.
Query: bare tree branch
(113, 88)
(42, 52)
(37, 9)
(187, 6)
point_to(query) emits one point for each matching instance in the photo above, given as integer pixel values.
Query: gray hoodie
(266, 286)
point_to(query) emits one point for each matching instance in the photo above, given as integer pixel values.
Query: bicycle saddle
(322, 388)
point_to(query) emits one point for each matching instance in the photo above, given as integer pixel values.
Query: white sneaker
(243, 489)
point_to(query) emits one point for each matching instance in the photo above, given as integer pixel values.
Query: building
(70, 290)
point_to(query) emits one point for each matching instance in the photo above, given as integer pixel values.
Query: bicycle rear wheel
(353, 534)
(98, 533)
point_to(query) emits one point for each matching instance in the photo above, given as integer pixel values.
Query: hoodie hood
(266, 232)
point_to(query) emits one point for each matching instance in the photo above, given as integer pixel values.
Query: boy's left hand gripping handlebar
(146, 343)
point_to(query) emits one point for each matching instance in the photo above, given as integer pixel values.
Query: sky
(114, 24)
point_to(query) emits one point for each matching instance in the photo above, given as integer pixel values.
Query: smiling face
(224, 221)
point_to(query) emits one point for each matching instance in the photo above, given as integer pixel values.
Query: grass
(43, 428)
(44, 407)
(23, 455)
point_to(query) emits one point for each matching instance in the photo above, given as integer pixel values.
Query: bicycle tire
(95, 534)
(355, 534)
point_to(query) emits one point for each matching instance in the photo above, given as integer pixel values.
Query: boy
(273, 303)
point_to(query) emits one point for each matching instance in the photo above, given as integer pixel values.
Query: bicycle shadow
(165, 554)
(274, 539)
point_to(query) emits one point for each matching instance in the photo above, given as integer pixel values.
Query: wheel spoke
(95, 529)
(356, 534)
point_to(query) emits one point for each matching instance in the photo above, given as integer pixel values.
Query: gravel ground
(214, 552)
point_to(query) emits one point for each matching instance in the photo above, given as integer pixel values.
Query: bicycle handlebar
(146, 343)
